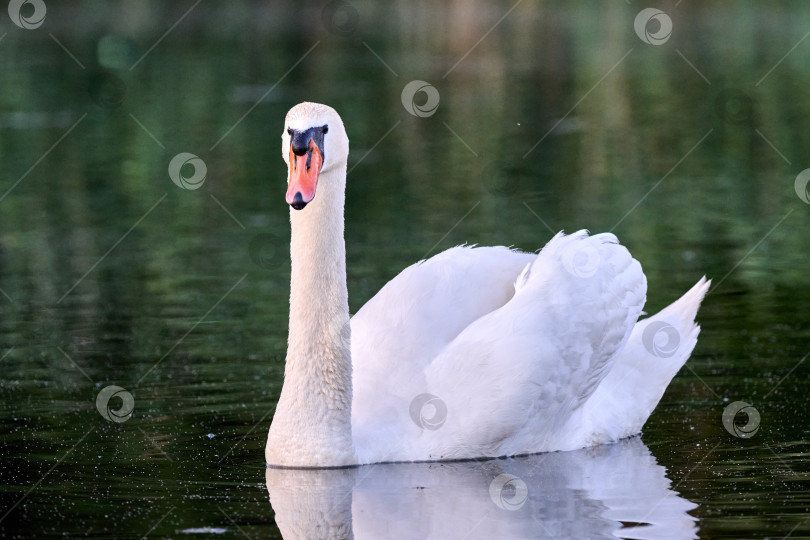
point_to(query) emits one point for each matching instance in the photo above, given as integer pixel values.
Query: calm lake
(144, 263)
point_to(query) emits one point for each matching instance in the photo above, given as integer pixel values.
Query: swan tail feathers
(657, 349)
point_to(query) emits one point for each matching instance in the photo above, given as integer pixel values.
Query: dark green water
(111, 274)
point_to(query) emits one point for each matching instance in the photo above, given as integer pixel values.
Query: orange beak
(303, 180)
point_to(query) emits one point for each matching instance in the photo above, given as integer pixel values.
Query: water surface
(561, 117)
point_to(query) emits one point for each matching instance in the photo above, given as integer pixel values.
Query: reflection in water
(611, 491)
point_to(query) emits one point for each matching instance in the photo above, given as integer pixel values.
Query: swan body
(475, 352)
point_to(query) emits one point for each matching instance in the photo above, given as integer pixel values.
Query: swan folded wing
(402, 329)
(416, 314)
(512, 378)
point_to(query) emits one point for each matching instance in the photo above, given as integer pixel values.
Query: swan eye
(289, 132)
(324, 129)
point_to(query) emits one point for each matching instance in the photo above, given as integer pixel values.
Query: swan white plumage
(475, 352)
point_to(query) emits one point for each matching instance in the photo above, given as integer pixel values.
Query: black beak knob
(299, 142)
(298, 201)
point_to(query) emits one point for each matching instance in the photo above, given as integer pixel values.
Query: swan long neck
(312, 422)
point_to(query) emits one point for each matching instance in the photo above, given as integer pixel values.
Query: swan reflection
(609, 491)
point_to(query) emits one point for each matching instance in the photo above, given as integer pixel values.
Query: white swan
(476, 352)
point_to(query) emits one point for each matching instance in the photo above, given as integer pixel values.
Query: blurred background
(551, 115)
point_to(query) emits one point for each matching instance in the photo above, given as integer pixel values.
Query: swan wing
(511, 380)
(416, 314)
(405, 326)
(517, 367)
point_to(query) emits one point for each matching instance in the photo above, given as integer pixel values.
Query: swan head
(313, 143)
